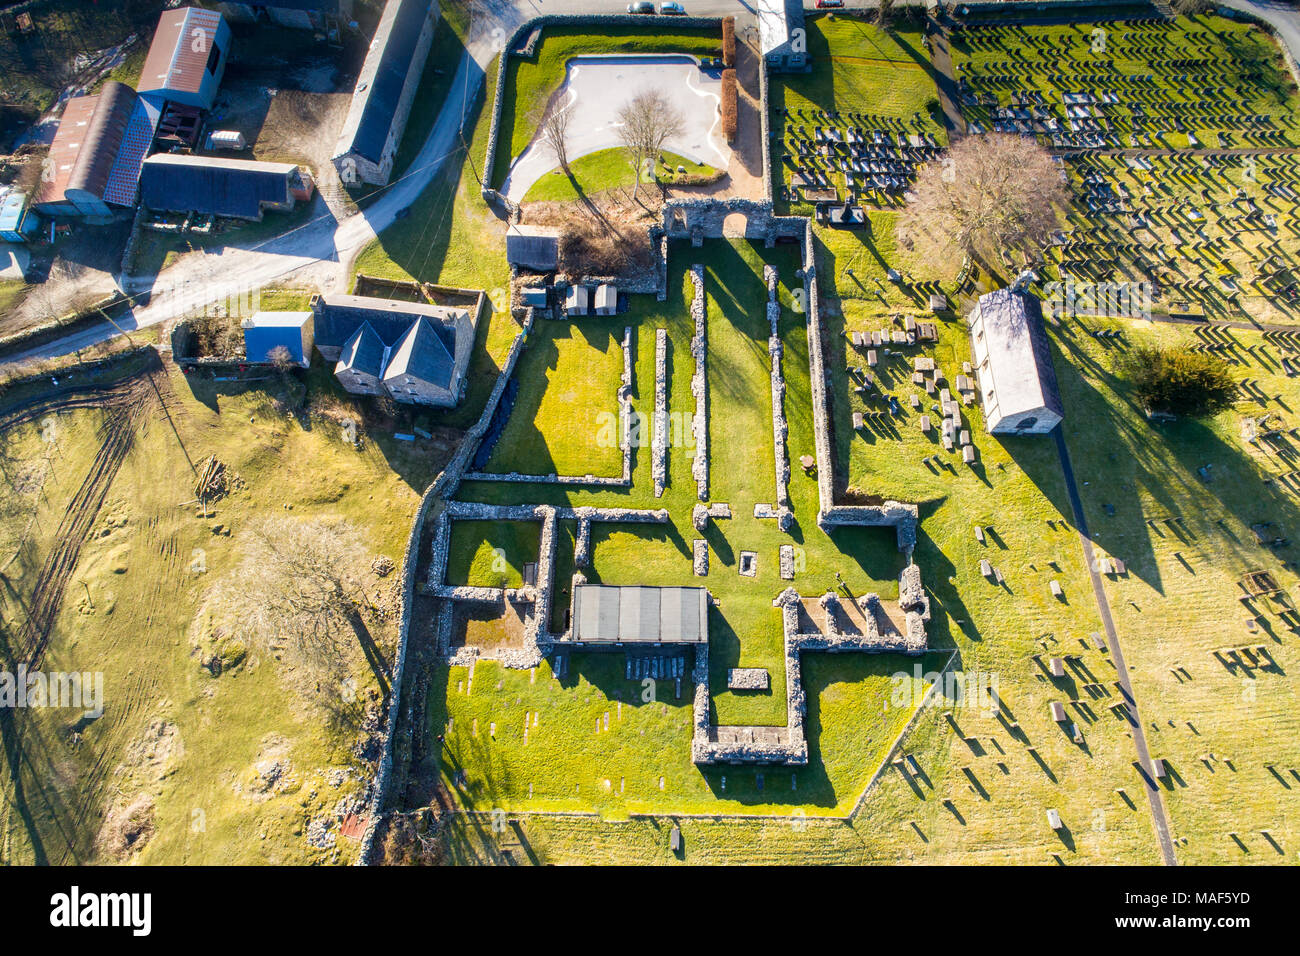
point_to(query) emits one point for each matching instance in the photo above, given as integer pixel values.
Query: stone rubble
(700, 386)
(659, 450)
(700, 556)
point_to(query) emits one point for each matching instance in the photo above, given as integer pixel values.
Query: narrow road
(319, 253)
(1117, 656)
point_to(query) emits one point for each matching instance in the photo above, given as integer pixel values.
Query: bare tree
(647, 121)
(990, 196)
(554, 127)
(295, 591)
(885, 15)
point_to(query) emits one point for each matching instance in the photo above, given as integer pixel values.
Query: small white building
(606, 299)
(577, 301)
(1013, 362)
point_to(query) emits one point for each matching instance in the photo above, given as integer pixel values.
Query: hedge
(729, 104)
(729, 41)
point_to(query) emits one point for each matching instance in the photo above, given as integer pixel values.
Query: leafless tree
(554, 127)
(296, 592)
(989, 197)
(646, 122)
(885, 15)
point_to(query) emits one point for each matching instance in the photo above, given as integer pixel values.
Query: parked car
(672, 10)
(642, 6)
(829, 4)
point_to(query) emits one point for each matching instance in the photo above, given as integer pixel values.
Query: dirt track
(123, 403)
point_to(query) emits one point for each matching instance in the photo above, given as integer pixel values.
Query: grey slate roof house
(212, 186)
(413, 352)
(381, 100)
(1013, 362)
(605, 616)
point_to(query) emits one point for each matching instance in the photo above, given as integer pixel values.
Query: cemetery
(1175, 141)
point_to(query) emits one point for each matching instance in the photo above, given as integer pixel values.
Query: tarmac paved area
(597, 86)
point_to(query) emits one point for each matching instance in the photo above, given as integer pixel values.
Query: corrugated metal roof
(178, 55)
(86, 144)
(382, 78)
(12, 210)
(124, 179)
(214, 186)
(603, 614)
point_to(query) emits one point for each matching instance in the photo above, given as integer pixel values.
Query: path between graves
(1117, 656)
(941, 59)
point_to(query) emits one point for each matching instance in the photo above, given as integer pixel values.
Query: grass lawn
(492, 554)
(186, 742)
(1183, 597)
(565, 419)
(859, 68)
(745, 629)
(530, 83)
(610, 169)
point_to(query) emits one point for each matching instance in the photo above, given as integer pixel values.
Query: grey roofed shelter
(606, 615)
(1011, 351)
(533, 247)
(211, 186)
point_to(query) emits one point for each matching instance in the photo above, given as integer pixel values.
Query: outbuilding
(1013, 357)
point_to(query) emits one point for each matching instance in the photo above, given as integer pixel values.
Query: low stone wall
(700, 385)
(780, 429)
(659, 448)
(623, 480)
(793, 751)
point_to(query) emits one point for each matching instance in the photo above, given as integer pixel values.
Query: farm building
(318, 15)
(187, 57)
(781, 35)
(97, 153)
(212, 186)
(264, 332)
(413, 352)
(533, 247)
(612, 616)
(1013, 359)
(381, 100)
(17, 221)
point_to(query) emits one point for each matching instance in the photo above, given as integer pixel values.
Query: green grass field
(565, 420)
(611, 169)
(194, 747)
(858, 68)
